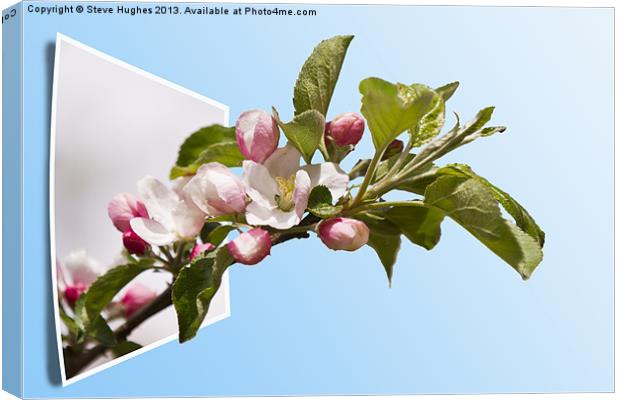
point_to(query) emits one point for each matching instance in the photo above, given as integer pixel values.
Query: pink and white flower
(76, 273)
(257, 135)
(123, 208)
(343, 233)
(136, 297)
(250, 247)
(216, 190)
(171, 217)
(279, 188)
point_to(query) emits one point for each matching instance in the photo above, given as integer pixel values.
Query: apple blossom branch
(75, 364)
(184, 225)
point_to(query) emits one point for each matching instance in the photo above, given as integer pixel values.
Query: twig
(75, 364)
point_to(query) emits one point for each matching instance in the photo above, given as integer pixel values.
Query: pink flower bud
(216, 190)
(346, 129)
(123, 208)
(250, 247)
(134, 243)
(199, 249)
(343, 233)
(73, 292)
(136, 297)
(257, 135)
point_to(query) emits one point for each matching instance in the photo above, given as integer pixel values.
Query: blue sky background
(312, 321)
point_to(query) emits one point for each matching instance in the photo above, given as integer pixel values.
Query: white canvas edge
(52, 219)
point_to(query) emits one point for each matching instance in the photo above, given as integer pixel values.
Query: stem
(359, 169)
(383, 204)
(385, 186)
(76, 363)
(166, 252)
(161, 302)
(402, 157)
(368, 177)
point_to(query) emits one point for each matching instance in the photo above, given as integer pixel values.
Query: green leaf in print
(472, 204)
(522, 218)
(419, 224)
(194, 288)
(214, 143)
(390, 109)
(320, 202)
(384, 238)
(318, 76)
(103, 290)
(446, 91)
(431, 123)
(304, 131)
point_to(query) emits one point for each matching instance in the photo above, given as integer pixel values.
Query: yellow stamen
(286, 187)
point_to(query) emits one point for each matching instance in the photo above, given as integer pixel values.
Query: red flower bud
(73, 292)
(134, 243)
(346, 129)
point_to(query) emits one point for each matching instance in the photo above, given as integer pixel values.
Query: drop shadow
(53, 360)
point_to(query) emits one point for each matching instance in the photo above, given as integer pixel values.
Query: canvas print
(178, 230)
(113, 124)
(348, 200)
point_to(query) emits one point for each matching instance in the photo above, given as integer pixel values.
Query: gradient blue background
(312, 321)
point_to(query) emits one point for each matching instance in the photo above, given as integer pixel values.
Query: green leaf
(446, 91)
(320, 202)
(125, 347)
(390, 109)
(472, 204)
(214, 143)
(431, 123)
(319, 196)
(385, 166)
(319, 74)
(217, 235)
(522, 218)
(418, 183)
(68, 321)
(207, 228)
(103, 290)
(194, 288)
(100, 330)
(91, 326)
(459, 136)
(384, 238)
(304, 131)
(421, 225)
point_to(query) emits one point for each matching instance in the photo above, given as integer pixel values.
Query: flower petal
(152, 231)
(259, 184)
(284, 162)
(216, 190)
(124, 207)
(188, 220)
(159, 199)
(178, 185)
(257, 214)
(82, 268)
(303, 186)
(330, 175)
